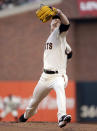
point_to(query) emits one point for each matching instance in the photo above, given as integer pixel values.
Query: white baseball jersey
(54, 54)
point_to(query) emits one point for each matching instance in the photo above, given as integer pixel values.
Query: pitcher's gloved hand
(45, 13)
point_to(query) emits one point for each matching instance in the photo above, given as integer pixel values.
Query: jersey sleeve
(64, 28)
(68, 48)
(68, 51)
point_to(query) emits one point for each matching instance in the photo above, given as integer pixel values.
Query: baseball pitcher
(56, 53)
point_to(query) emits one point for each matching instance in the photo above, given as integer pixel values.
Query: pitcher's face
(55, 23)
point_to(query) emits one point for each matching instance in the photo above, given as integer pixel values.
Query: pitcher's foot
(22, 119)
(64, 120)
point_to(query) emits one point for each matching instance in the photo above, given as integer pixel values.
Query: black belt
(50, 72)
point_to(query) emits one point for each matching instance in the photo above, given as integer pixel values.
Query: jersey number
(48, 46)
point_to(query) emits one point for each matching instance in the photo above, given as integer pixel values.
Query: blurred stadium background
(22, 38)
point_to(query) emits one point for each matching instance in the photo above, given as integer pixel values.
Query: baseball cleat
(64, 120)
(22, 119)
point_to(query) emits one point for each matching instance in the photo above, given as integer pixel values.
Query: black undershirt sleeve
(63, 27)
(69, 56)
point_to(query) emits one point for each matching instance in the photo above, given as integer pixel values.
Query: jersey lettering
(48, 46)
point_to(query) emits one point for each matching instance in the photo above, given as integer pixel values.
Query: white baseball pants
(46, 83)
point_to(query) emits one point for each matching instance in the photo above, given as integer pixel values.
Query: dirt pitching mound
(45, 126)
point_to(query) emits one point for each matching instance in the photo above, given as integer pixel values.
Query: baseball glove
(45, 13)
